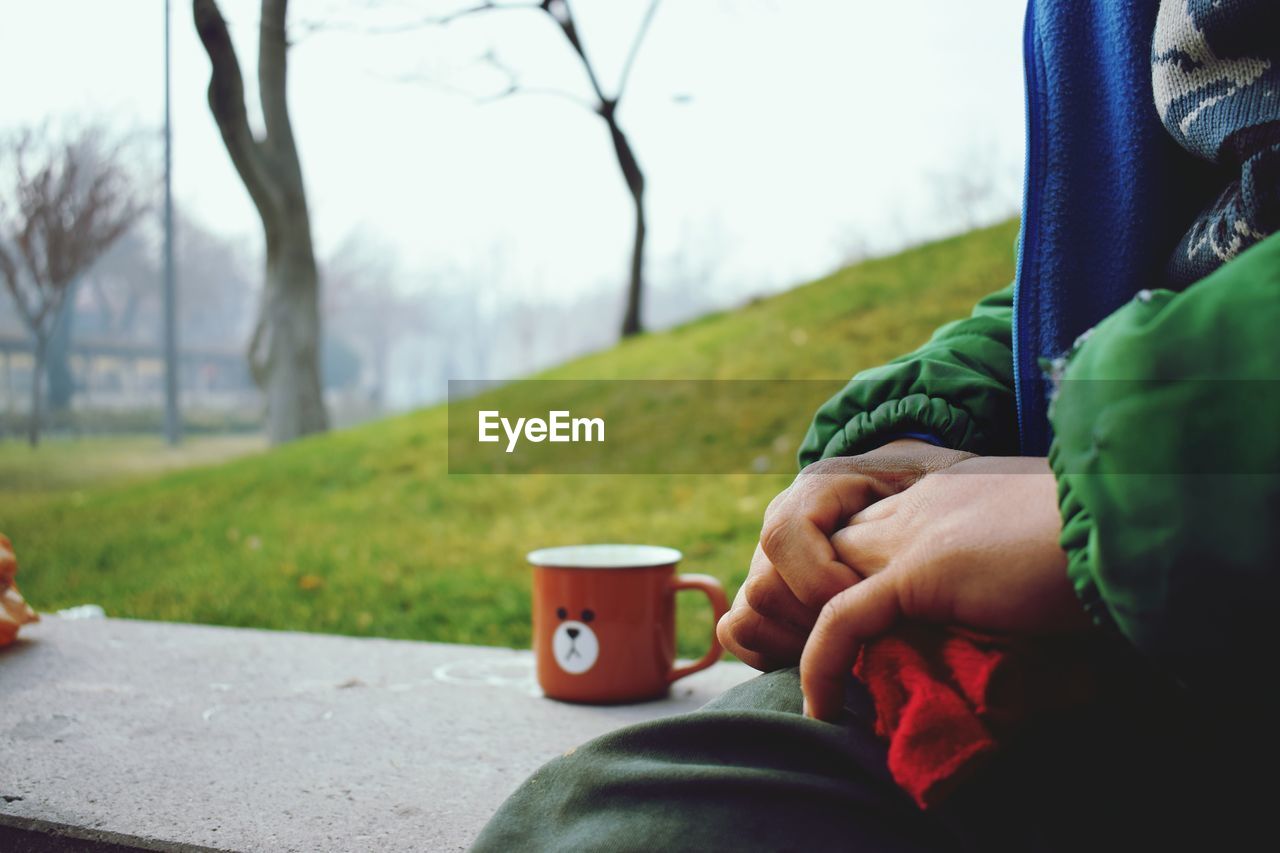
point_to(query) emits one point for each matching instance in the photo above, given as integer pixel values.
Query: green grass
(364, 531)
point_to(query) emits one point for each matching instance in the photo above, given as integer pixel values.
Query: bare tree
(70, 200)
(602, 104)
(607, 108)
(284, 352)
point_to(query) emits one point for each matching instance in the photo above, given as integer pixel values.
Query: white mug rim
(605, 556)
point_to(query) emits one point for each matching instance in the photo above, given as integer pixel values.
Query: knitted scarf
(1215, 69)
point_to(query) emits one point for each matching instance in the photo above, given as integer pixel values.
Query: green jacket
(1166, 449)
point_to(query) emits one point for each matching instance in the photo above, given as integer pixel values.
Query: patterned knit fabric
(1216, 79)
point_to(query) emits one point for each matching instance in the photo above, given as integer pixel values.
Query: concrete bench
(125, 735)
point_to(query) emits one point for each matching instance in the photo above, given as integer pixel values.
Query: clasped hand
(908, 531)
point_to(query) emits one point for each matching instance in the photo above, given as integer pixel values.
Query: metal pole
(172, 422)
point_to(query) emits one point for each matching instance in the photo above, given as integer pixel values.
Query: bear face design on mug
(604, 627)
(574, 644)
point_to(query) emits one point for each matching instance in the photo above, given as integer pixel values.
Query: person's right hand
(795, 570)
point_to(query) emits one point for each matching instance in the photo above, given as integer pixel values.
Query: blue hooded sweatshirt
(1108, 191)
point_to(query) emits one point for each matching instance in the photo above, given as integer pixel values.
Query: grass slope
(364, 532)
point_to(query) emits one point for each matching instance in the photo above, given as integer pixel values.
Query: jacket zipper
(1030, 209)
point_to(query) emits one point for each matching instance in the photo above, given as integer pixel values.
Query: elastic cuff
(915, 415)
(1077, 531)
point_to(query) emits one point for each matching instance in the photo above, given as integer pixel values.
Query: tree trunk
(631, 324)
(58, 357)
(284, 355)
(291, 314)
(37, 388)
(634, 177)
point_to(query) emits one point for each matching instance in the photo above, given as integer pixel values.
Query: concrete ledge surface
(124, 734)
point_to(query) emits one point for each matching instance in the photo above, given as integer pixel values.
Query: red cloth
(946, 698)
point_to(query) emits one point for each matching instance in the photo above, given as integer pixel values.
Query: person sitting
(1087, 466)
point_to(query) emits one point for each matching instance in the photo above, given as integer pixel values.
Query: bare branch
(545, 91)
(635, 49)
(563, 16)
(9, 269)
(226, 101)
(306, 28)
(513, 87)
(559, 12)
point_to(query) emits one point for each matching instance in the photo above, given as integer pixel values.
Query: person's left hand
(795, 569)
(975, 544)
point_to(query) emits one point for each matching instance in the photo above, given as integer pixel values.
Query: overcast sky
(770, 131)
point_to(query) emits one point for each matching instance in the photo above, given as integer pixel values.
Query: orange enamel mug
(604, 626)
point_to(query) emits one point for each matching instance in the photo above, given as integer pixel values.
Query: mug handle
(711, 587)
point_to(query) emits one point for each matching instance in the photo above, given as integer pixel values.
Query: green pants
(749, 772)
